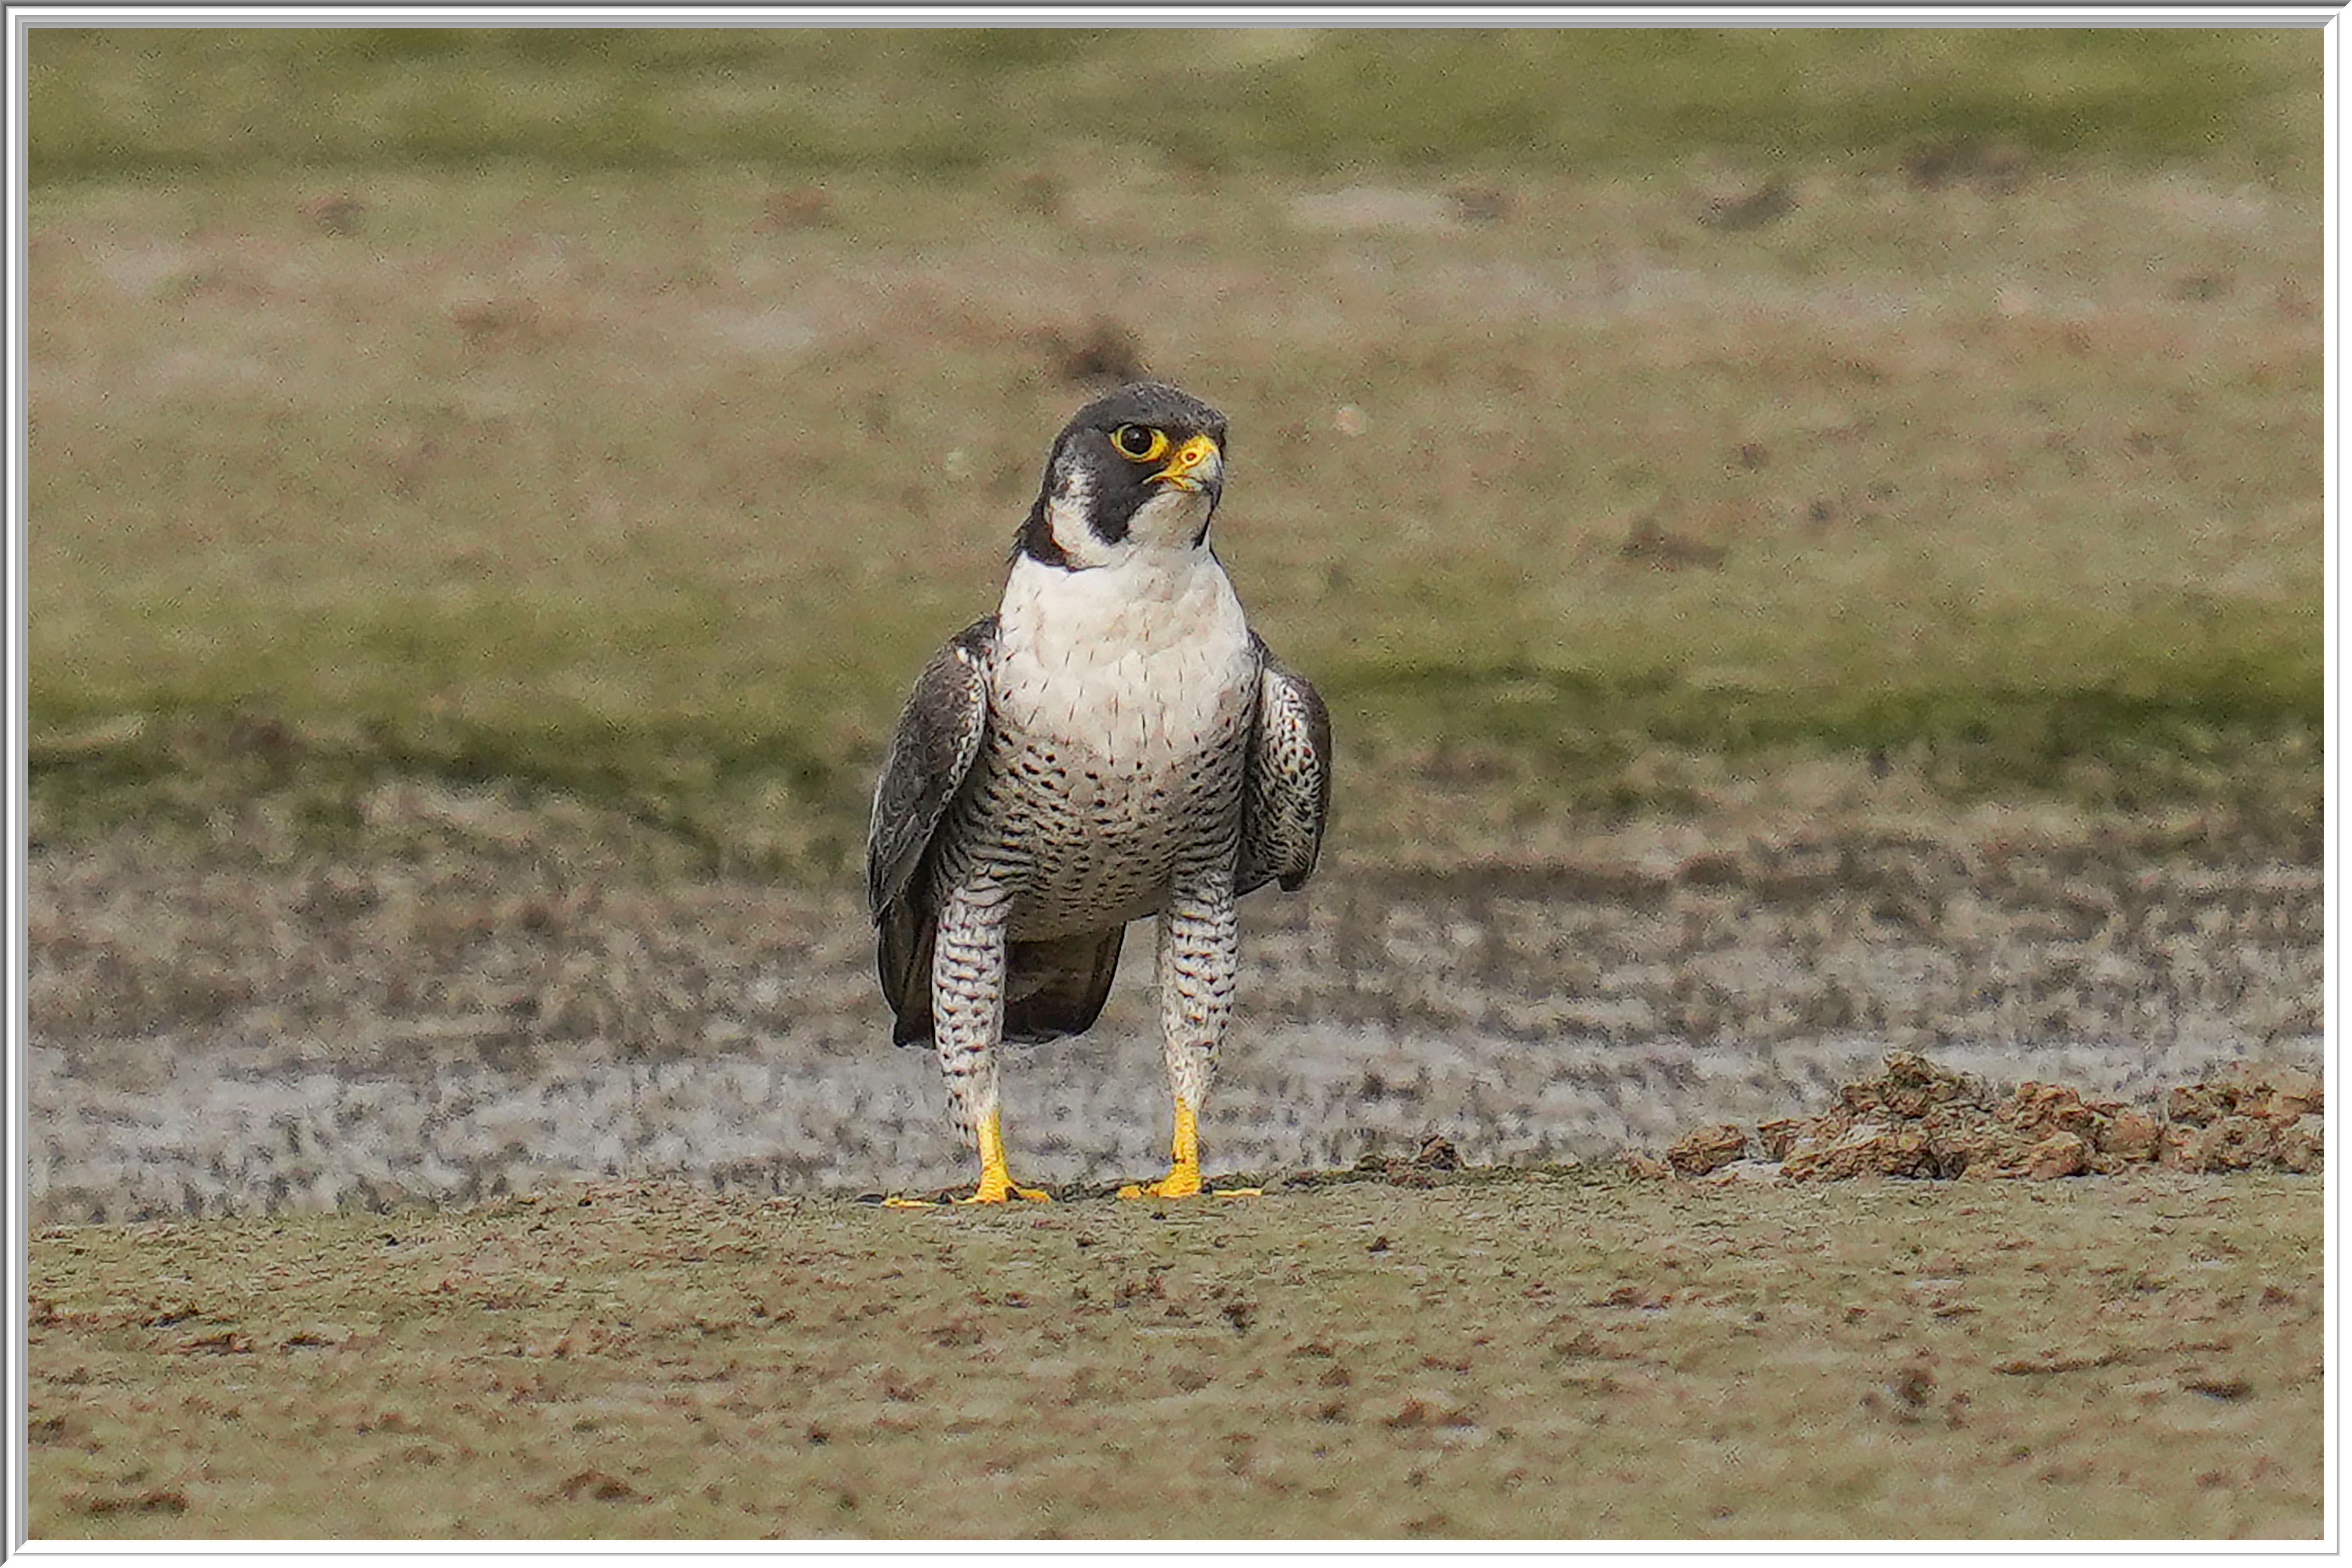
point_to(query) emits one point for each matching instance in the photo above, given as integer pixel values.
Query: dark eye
(1139, 442)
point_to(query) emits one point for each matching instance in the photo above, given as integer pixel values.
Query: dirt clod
(1779, 1135)
(2266, 1094)
(2298, 1145)
(1435, 1155)
(1904, 1395)
(1438, 1154)
(1708, 1149)
(1919, 1119)
(155, 1499)
(2130, 1135)
(599, 1486)
(1427, 1407)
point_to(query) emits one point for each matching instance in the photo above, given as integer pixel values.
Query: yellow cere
(1188, 457)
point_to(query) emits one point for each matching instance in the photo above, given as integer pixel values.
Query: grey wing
(939, 735)
(1286, 794)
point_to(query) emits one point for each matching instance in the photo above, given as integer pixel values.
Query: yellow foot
(996, 1187)
(1161, 1189)
(1184, 1182)
(995, 1182)
(1184, 1177)
(997, 1192)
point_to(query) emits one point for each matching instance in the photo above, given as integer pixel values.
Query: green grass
(578, 464)
(111, 102)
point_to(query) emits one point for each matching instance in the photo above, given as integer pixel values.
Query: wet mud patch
(486, 1016)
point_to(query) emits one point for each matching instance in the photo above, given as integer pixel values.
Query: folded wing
(939, 735)
(1287, 792)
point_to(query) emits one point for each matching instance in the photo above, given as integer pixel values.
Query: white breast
(1140, 663)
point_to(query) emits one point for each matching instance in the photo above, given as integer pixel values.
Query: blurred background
(1811, 540)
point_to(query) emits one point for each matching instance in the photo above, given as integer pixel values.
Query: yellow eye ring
(1140, 443)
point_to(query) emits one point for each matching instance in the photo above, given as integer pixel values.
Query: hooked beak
(1196, 465)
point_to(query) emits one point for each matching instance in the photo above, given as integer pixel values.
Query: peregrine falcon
(1114, 743)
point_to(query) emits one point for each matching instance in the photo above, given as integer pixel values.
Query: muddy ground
(1529, 1355)
(1537, 1279)
(473, 1021)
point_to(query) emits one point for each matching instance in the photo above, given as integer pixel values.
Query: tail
(1052, 988)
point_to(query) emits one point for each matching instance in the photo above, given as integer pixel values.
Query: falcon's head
(1140, 468)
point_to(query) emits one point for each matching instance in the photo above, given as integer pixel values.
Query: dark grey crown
(1145, 403)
